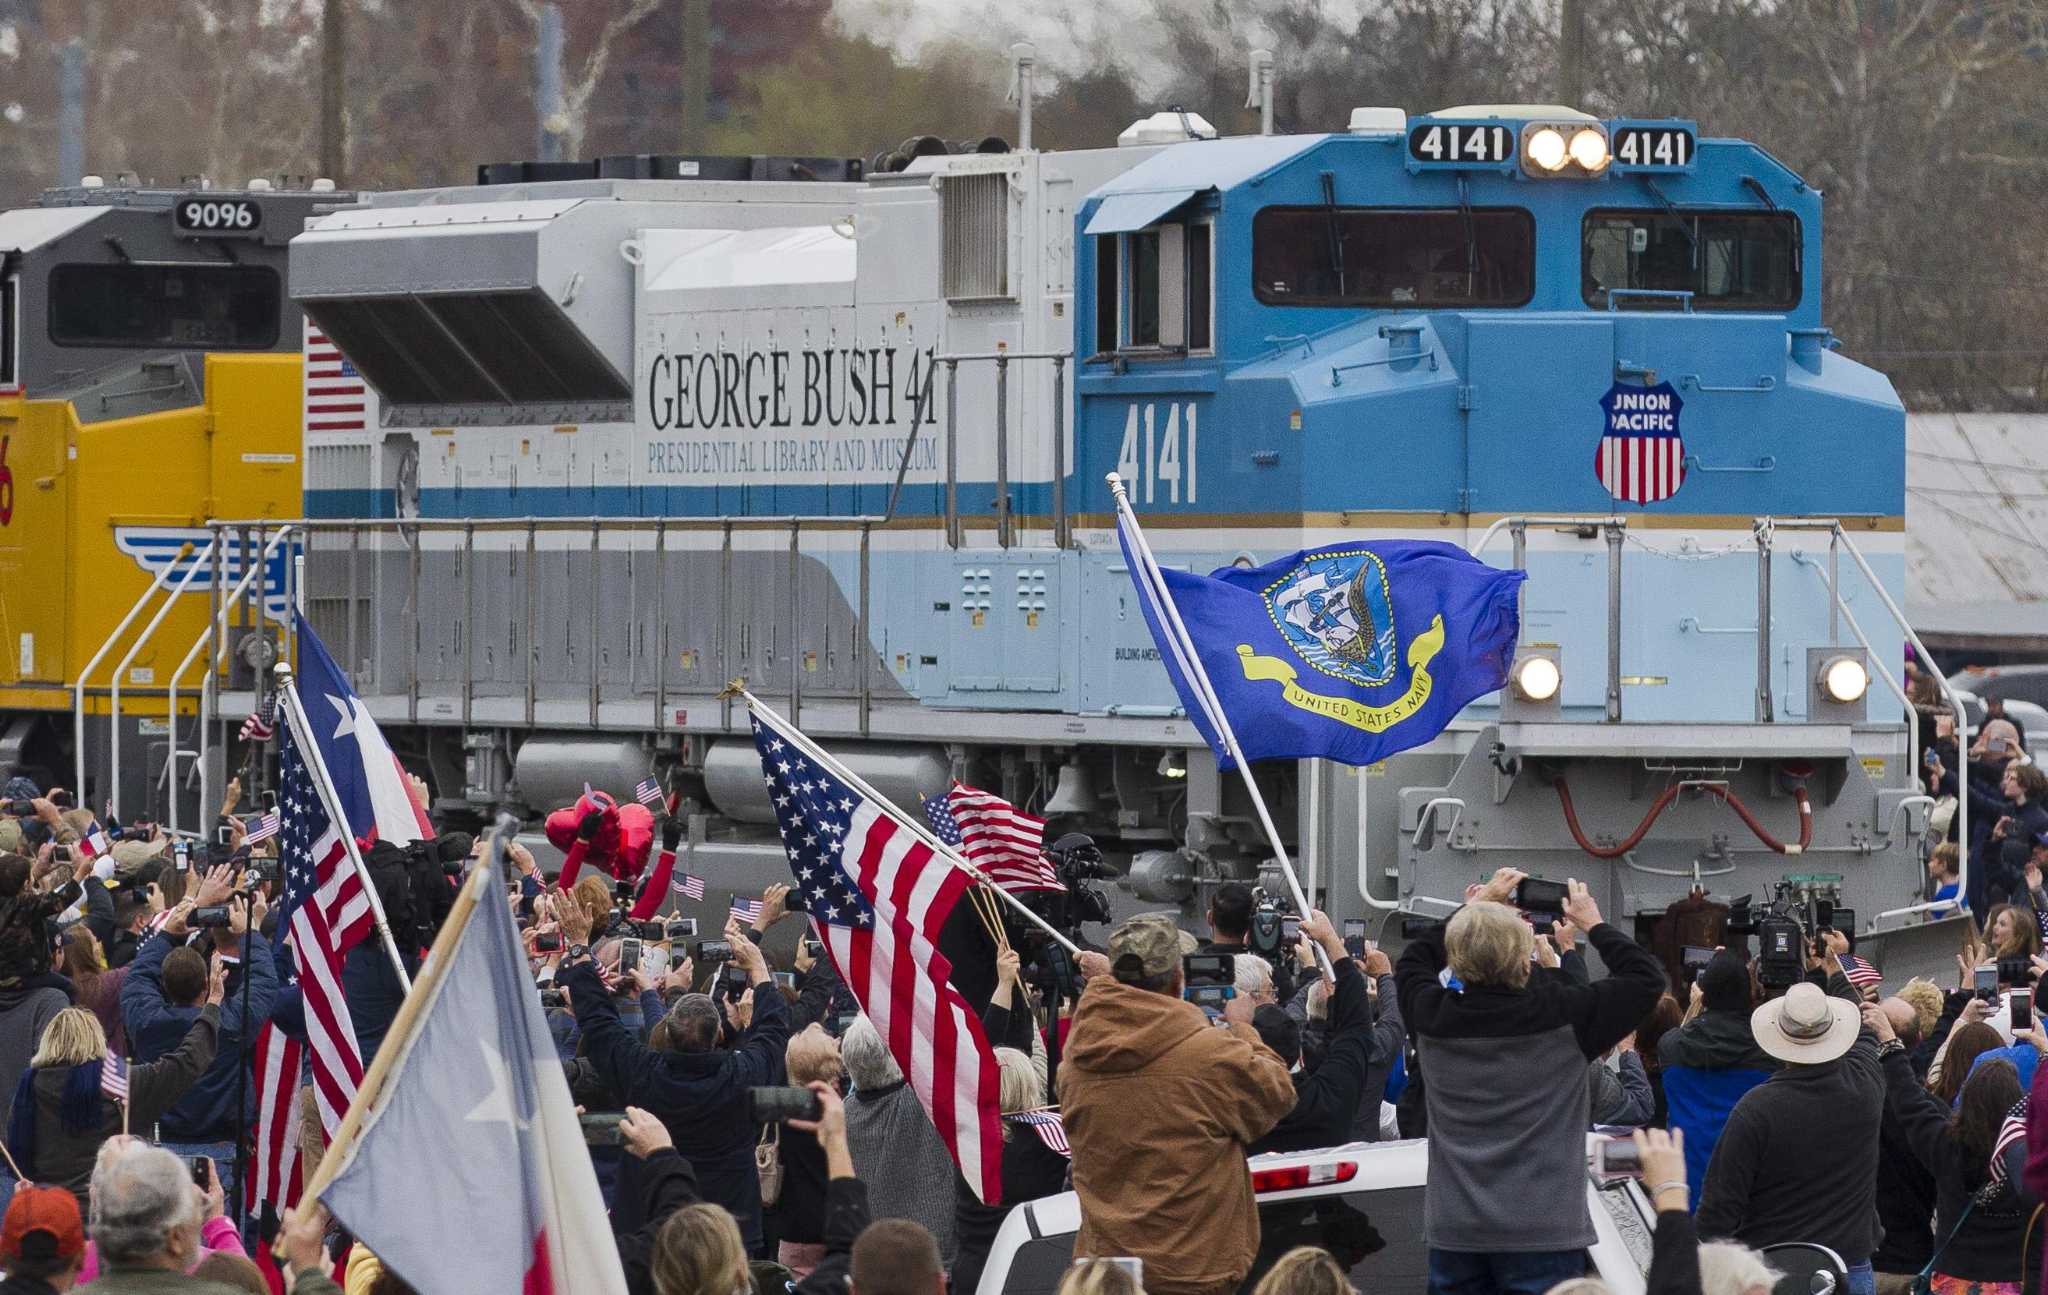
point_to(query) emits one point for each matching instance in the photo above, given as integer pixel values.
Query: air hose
(1664, 799)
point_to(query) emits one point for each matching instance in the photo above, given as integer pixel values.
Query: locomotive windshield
(1354, 256)
(1727, 260)
(218, 307)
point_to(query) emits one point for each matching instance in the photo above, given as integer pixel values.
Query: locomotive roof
(28, 228)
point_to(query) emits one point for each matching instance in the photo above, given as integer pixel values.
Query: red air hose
(1664, 799)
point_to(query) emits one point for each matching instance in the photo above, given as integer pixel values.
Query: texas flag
(476, 1111)
(368, 780)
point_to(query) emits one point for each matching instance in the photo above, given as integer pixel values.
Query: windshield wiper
(1671, 210)
(1336, 265)
(1471, 239)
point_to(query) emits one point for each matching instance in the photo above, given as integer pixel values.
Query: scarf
(78, 1111)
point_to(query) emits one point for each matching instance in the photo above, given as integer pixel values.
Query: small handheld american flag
(648, 792)
(690, 886)
(259, 829)
(114, 1077)
(747, 910)
(1859, 972)
(261, 725)
(1049, 1127)
(2014, 1129)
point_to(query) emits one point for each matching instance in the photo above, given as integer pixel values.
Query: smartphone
(1695, 959)
(61, 853)
(681, 928)
(629, 954)
(622, 888)
(201, 1168)
(814, 947)
(1535, 895)
(786, 979)
(548, 942)
(1129, 1263)
(2021, 1001)
(1354, 936)
(1290, 931)
(224, 837)
(1617, 1156)
(181, 855)
(714, 951)
(1844, 921)
(1985, 981)
(654, 960)
(601, 1128)
(774, 1105)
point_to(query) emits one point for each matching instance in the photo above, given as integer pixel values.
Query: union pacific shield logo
(1641, 457)
(1334, 609)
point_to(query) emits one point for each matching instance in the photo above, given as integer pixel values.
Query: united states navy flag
(1347, 652)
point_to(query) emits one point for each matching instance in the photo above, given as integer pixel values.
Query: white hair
(1254, 975)
(866, 1057)
(1730, 1269)
(1319, 1000)
(139, 1198)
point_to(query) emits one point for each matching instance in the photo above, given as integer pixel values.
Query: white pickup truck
(1380, 1180)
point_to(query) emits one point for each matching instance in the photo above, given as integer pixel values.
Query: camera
(181, 855)
(261, 870)
(1354, 936)
(552, 999)
(681, 928)
(1788, 924)
(224, 837)
(1211, 980)
(1617, 1156)
(61, 853)
(713, 951)
(1268, 933)
(601, 1128)
(1535, 895)
(210, 915)
(1076, 860)
(622, 888)
(775, 1105)
(548, 942)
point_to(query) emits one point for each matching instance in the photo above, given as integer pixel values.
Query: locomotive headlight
(1844, 679)
(1589, 149)
(1546, 148)
(1536, 678)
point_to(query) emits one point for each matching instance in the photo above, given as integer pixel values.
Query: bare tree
(578, 88)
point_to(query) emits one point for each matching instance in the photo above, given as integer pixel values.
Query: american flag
(1050, 1128)
(994, 836)
(691, 886)
(747, 910)
(261, 725)
(2013, 1130)
(879, 896)
(648, 792)
(274, 1168)
(114, 1077)
(324, 913)
(336, 399)
(1859, 972)
(260, 829)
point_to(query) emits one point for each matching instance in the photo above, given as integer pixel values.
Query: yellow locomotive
(150, 379)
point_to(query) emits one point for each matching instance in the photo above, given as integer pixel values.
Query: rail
(113, 796)
(78, 688)
(1612, 527)
(733, 636)
(1004, 509)
(215, 636)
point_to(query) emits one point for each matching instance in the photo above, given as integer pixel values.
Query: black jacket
(1797, 1160)
(659, 1187)
(1326, 1100)
(1714, 1041)
(700, 1096)
(1905, 1201)
(846, 1217)
(1987, 1247)
(1031, 1170)
(1674, 1256)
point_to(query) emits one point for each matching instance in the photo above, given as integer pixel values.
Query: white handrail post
(113, 796)
(78, 687)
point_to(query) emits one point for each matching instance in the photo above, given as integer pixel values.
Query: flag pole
(1153, 585)
(406, 1023)
(937, 847)
(316, 768)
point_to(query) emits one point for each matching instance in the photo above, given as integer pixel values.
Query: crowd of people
(1762, 1108)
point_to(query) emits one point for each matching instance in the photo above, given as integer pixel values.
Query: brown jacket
(1159, 1107)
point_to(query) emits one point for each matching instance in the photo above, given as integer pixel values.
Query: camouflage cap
(1152, 940)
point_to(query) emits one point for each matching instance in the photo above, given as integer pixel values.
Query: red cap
(42, 1223)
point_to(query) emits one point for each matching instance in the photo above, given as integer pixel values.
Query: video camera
(1789, 924)
(1076, 861)
(1273, 929)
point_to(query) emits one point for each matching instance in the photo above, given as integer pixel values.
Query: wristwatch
(576, 953)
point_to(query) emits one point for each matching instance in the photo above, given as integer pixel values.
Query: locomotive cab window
(1394, 258)
(10, 331)
(212, 307)
(1153, 290)
(1726, 260)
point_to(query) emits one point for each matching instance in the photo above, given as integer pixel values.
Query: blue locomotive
(615, 433)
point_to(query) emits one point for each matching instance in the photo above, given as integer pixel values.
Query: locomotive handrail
(114, 702)
(1337, 370)
(1613, 527)
(78, 687)
(1003, 510)
(1681, 295)
(1763, 384)
(216, 632)
(1767, 463)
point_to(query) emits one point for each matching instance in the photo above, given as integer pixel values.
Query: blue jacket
(156, 1028)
